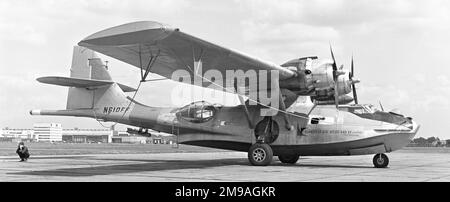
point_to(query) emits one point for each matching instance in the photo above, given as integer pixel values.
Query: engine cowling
(315, 78)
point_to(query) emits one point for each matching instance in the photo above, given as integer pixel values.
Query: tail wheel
(380, 161)
(260, 154)
(290, 159)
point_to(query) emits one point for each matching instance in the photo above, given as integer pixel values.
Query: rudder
(86, 65)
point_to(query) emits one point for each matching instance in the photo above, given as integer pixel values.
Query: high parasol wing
(160, 49)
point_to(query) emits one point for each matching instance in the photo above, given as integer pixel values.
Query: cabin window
(316, 120)
(197, 112)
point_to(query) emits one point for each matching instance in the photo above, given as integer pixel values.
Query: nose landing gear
(380, 161)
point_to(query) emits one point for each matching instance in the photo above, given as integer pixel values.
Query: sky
(400, 48)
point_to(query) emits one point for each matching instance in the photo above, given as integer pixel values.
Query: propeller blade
(352, 71)
(381, 106)
(335, 78)
(334, 60)
(355, 97)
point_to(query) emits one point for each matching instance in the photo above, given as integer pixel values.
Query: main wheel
(290, 159)
(380, 161)
(260, 154)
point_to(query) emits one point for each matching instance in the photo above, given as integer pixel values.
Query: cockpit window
(371, 112)
(365, 109)
(359, 111)
(371, 108)
(197, 112)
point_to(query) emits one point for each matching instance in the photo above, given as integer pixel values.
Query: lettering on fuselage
(109, 110)
(331, 132)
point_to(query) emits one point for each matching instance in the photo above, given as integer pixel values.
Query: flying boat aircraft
(282, 127)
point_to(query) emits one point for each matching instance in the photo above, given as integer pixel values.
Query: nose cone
(400, 136)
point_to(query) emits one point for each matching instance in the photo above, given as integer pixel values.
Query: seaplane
(264, 126)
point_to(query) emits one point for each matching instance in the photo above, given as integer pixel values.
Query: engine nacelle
(315, 78)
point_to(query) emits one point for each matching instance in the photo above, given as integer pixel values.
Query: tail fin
(90, 84)
(87, 65)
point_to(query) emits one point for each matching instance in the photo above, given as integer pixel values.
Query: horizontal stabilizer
(80, 83)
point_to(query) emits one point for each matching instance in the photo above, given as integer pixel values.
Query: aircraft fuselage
(326, 132)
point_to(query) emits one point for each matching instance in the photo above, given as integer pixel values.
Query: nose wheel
(260, 154)
(380, 161)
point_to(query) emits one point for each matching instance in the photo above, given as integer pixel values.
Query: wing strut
(247, 113)
(144, 73)
(312, 108)
(283, 108)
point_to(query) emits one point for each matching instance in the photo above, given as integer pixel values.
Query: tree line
(429, 142)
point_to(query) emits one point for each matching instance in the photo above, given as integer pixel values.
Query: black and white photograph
(224, 91)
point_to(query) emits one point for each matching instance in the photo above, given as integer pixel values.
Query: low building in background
(48, 132)
(155, 138)
(77, 135)
(17, 135)
(133, 139)
(53, 132)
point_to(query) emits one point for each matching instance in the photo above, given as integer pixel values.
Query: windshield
(371, 108)
(371, 112)
(364, 109)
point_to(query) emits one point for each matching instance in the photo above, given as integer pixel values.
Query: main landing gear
(266, 132)
(380, 161)
(260, 154)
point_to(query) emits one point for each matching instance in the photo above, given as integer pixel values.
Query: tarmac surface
(404, 166)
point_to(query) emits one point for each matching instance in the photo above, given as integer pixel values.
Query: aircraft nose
(414, 129)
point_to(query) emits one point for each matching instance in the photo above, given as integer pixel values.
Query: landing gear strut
(380, 161)
(260, 154)
(290, 159)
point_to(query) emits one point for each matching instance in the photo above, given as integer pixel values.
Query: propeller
(352, 73)
(336, 74)
(335, 79)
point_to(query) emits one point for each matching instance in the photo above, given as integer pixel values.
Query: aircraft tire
(289, 159)
(380, 161)
(260, 154)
